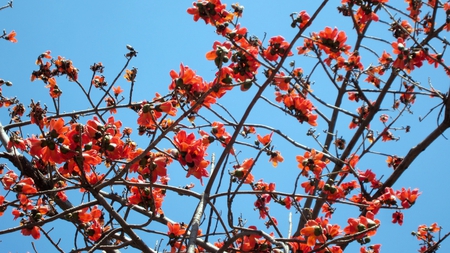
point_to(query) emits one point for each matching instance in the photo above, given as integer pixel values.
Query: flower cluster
(191, 152)
(424, 234)
(330, 41)
(211, 11)
(300, 107)
(319, 230)
(150, 198)
(365, 226)
(278, 46)
(47, 74)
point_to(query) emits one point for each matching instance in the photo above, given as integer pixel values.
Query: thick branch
(417, 150)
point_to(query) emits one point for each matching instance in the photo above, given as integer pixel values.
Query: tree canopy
(212, 127)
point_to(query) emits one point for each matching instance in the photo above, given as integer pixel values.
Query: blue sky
(165, 35)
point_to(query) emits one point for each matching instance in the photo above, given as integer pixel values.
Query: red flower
(148, 116)
(99, 81)
(301, 20)
(310, 185)
(397, 217)
(65, 67)
(384, 118)
(240, 171)
(332, 42)
(385, 58)
(312, 161)
(17, 142)
(277, 47)
(167, 107)
(328, 210)
(211, 11)
(17, 213)
(9, 179)
(282, 81)
(191, 152)
(117, 90)
(408, 197)
(287, 202)
(371, 249)
(320, 230)
(220, 51)
(266, 139)
(11, 37)
(95, 231)
(394, 161)
(275, 158)
(34, 231)
(424, 231)
(26, 186)
(175, 230)
(387, 135)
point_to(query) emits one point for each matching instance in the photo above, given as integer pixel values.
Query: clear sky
(165, 35)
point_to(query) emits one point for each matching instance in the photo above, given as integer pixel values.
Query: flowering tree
(108, 180)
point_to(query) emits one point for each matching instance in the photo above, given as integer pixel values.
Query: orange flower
(302, 20)
(310, 185)
(282, 81)
(299, 247)
(148, 116)
(414, 9)
(266, 140)
(177, 247)
(424, 231)
(385, 58)
(394, 161)
(117, 90)
(287, 201)
(262, 186)
(350, 163)
(26, 186)
(11, 37)
(319, 230)
(248, 130)
(17, 213)
(17, 142)
(387, 135)
(58, 130)
(220, 51)
(328, 210)
(65, 67)
(94, 178)
(95, 231)
(167, 107)
(275, 158)
(175, 230)
(9, 179)
(99, 81)
(83, 216)
(191, 152)
(408, 197)
(371, 249)
(211, 11)
(362, 223)
(34, 232)
(332, 42)
(248, 243)
(130, 75)
(312, 161)
(277, 47)
(240, 171)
